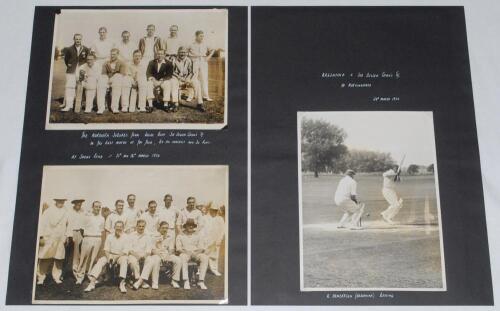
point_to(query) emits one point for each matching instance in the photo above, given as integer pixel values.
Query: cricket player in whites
(391, 177)
(345, 198)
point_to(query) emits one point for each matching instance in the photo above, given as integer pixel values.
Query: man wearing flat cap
(191, 246)
(346, 199)
(54, 232)
(75, 223)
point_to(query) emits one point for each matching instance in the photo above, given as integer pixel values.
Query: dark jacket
(166, 70)
(72, 59)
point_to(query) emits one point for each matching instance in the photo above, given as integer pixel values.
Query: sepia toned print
(127, 69)
(370, 215)
(132, 234)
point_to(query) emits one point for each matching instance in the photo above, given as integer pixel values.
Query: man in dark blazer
(74, 57)
(159, 74)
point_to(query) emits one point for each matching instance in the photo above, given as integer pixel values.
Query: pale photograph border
(300, 116)
(225, 299)
(138, 126)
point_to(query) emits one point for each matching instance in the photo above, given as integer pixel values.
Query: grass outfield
(406, 255)
(187, 110)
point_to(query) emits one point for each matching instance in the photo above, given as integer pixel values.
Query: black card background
(291, 47)
(41, 147)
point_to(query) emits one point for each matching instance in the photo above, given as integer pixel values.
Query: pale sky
(213, 22)
(396, 132)
(147, 182)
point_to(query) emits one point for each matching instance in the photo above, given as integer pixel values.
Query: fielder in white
(75, 223)
(116, 252)
(91, 73)
(390, 178)
(140, 247)
(191, 246)
(200, 53)
(346, 199)
(135, 84)
(102, 46)
(117, 215)
(93, 227)
(113, 72)
(151, 218)
(54, 233)
(189, 212)
(213, 231)
(163, 251)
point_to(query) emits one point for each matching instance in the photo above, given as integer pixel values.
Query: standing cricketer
(346, 199)
(150, 44)
(391, 177)
(200, 53)
(74, 57)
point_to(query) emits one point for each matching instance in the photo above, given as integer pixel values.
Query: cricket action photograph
(369, 207)
(127, 69)
(132, 234)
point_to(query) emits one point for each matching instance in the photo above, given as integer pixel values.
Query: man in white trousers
(54, 233)
(135, 84)
(213, 231)
(346, 199)
(113, 72)
(159, 74)
(390, 178)
(116, 252)
(163, 251)
(184, 77)
(74, 57)
(191, 246)
(93, 227)
(76, 217)
(91, 73)
(140, 247)
(200, 53)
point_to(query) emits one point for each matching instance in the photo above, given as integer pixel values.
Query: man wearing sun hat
(191, 246)
(54, 233)
(346, 199)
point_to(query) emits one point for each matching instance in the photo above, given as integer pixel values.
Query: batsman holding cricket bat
(390, 178)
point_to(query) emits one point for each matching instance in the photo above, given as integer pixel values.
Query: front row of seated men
(127, 250)
(134, 85)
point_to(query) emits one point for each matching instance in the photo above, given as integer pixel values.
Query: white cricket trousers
(352, 209)
(90, 87)
(391, 197)
(200, 67)
(70, 90)
(116, 90)
(103, 261)
(202, 259)
(213, 258)
(152, 267)
(90, 249)
(134, 97)
(195, 85)
(77, 241)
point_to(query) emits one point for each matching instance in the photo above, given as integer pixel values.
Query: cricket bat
(78, 97)
(399, 168)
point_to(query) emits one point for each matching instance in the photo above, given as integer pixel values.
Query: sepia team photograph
(369, 207)
(126, 69)
(132, 234)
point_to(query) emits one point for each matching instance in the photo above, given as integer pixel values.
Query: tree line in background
(323, 150)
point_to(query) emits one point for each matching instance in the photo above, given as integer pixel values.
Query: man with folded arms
(163, 251)
(93, 226)
(159, 74)
(135, 84)
(183, 77)
(116, 252)
(191, 246)
(113, 72)
(140, 247)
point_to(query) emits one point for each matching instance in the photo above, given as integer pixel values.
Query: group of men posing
(346, 198)
(133, 71)
(132, 237)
